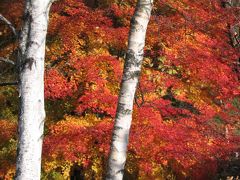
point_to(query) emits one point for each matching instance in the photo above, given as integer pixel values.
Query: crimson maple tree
(186, 115)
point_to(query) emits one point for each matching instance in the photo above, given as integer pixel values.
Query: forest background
(187, 106)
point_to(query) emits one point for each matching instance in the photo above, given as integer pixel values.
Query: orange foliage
(187, 104)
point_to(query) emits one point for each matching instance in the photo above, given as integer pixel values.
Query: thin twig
(7, 60)
(8, 83)
(236, 38)
(2, 18)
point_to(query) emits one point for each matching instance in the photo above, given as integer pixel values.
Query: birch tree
(31, 88)
(131, 73)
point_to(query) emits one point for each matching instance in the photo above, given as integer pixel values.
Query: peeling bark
(131, 73)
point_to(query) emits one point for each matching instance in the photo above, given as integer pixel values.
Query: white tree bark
(132, 69)
(31, 89)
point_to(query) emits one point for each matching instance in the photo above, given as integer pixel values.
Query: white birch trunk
(132, 69)
(31, 89)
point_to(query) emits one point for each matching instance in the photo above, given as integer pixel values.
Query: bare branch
(7, 60)
(8, 83)
(236, 38)
(2, 18)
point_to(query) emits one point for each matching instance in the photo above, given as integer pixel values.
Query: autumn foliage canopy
(187, 107)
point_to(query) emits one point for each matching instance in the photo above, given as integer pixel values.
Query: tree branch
(236, 38)
(9, 24)
(142, 97)
(178, 103)
(7, 60)
(8, 83)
